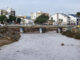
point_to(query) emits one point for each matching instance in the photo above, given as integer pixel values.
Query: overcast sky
(25, 7)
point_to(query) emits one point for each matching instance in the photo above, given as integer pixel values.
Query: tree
(78, 14)
(12, 18)
(3, 19)
(18, 20)
(41, 19)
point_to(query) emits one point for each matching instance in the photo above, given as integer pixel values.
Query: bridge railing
(18, 25)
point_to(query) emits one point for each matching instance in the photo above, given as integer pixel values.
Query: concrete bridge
(36, 28)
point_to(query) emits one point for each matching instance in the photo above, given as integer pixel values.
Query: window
(51, 18)
(60, 20)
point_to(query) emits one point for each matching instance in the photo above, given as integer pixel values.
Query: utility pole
(58, 19)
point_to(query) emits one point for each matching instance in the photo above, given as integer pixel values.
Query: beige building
(37, 14)
(3, 12)
(7, 12)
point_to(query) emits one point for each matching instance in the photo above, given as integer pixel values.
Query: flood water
(45, 46)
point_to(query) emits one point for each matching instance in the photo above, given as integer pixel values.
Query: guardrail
(17, 25)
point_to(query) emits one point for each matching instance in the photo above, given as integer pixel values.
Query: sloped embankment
(8, 35)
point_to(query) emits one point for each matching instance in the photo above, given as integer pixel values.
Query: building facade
(3, 12)
(11, 11)
(60, 19)
(7, 12)
(37, 14)
(73, 19)
(26, 22)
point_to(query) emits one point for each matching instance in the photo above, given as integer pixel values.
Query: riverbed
(46, 46)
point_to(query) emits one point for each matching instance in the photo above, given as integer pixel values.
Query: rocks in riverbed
(13, 35)
(17, 51)
(62, 44)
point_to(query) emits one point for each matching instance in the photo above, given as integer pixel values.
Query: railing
(29, 25)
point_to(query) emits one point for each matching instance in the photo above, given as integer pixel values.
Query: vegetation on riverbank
(75, 35)
(8, 35)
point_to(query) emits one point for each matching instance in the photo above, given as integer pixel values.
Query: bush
(77, 36)
(71, 34)
(68, 33)
(64, 33)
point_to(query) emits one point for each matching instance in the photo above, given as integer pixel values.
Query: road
(45, 46)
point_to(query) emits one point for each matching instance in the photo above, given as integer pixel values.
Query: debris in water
(17, 51)
(62, 44)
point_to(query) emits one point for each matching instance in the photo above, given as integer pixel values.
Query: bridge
(36, 28)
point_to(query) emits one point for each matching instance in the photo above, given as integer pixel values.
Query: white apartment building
(73, 19)
(7, 12)
(60, 19)
(11, 11)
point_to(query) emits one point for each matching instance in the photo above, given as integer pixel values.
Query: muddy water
(42, 47)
